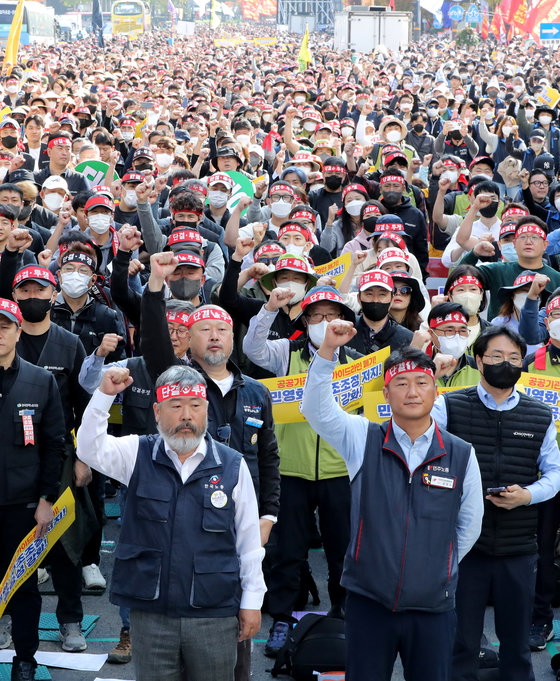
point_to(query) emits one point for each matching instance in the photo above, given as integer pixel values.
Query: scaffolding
(317, 14)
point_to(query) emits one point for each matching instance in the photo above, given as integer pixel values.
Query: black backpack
(316, 644)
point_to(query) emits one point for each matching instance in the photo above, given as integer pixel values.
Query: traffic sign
(473, 16)
(550, 31)
(456, 13)
(438, 24)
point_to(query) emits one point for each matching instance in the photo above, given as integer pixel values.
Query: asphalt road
(105, 634)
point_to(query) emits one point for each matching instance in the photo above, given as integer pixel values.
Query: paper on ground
(82, 662)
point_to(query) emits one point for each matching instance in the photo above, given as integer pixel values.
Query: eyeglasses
(268, 261)
(68, 269)
(499, 357)
(179, 332)
(317, 317)
(403, 290)
(539, 183)
(449, 333)
(281, 197)
(529, 237)
(554, 315)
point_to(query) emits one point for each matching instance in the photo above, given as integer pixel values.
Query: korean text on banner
(350, 384)
(336, 268)
(549, 97)
(31, 551)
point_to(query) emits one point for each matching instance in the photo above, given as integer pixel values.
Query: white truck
(364, 28)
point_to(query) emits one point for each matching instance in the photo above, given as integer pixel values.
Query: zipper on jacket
(317, 458)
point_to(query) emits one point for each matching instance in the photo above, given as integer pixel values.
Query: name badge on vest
(441, 481)
(28, 434)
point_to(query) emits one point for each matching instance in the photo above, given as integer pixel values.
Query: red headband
(214, 312)
(466, 279)
(353, 188)
(59, 142)
(178, 318)
(168, 392)
(514, 211)
(398, 240)
(389, 227)
(304, 215)
(174, 211)
(281, 188)
(371, 210)
(406, 367)
(531, 229)
(554, 303)
(333, 169)
(507, 229)
(269, 249)
(180, 236)
(524, 279)
(392, 178)
(292, 227)
(451, 318)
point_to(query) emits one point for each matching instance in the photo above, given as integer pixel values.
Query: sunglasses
(268, 261)
(403, 290)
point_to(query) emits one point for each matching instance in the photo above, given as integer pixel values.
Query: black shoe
(539, 636)
(23, 671)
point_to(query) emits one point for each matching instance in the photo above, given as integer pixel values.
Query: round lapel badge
(218, 499)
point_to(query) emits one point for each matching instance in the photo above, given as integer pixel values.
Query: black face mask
(185, 224)
(143, 166)
(502, 376)
(490, 210)
(329, 115)
(375, 312)
(183, 289)
(456, 135)
(9, 141)
(92, 109)
(369, 224)
(84, 123)
(25, 212)
(391, 198)
(34, 310)
(333, 182)
(418, 128)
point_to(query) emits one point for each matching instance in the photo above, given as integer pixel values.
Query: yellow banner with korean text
(31, 550)
(546, 389)
(548, 96)
(351, 383)
(336, 268)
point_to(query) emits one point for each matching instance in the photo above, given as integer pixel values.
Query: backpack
(316, 644)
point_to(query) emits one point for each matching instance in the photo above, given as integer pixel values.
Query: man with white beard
(188, 562)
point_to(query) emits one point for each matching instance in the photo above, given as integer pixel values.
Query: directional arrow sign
(456, 13)
(550, 31)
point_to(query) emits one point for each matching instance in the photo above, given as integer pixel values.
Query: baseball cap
(10, 310)
(36, 273)
(55, 182)
(375, 278)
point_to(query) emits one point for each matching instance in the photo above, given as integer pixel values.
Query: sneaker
(539, 636)
(93, 579)
(42, 576)
(73, 641)
(278, 635)
(122, 652)
(23, 671)
(5, 632)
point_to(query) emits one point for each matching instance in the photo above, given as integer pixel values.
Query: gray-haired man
(188, 562)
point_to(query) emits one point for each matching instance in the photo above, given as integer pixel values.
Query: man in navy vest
(188, 562)
(416, 511)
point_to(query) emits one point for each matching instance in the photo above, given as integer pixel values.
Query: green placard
(242, 186)
(95, 171)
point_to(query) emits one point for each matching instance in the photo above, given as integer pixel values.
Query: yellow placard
(140, 127)
(351, 382)
(549, 97)
(31, 551)
(336, 268)
(228, 42)
(6, 111)
(265, 41)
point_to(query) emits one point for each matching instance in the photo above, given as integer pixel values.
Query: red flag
(519, 17)
(496, 22)
(484, 29)
(392, 4)
(546, 10)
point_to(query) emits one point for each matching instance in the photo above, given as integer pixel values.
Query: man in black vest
(28, 396)
(416, 511)
(188, 563)
(514, 437)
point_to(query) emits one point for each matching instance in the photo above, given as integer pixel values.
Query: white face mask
(353, 208)
(406, 107)
(509, 254)
(506, 130)
(452, 175)
(12, 89)
(554, 329)
(245, 140)
(131, 199)
(99, 223)
(217, 199)
(317, 332)
(294, 249)
(518, 89)
(164, 160)
(3, 173)
(53, 201)
(454, 346)
(281, 209)
(299, 99)
(489, 117)
(432, 113)
(545, 120)
(74, 284)
(295, 287)
(309, 126)
(519, 299)
(469, 300)
(280, 88)
(530, 114)
(346, 131)
(267, 118)
(393, 136)
(557, 204)
(128, 135)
